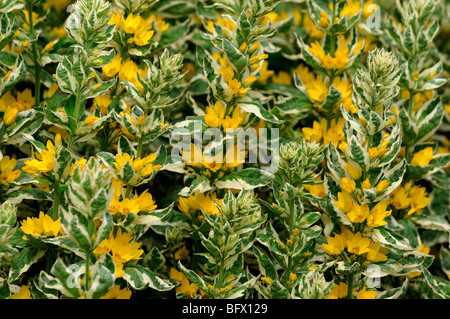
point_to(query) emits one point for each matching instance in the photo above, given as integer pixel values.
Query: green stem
(77, 105)
(222, 265)
(291, 229)
(139, 148)
(36, 58)
(86, 275)
(55, 202)
(129, 190)
(76, 116)
(350, 286)
(333, 37)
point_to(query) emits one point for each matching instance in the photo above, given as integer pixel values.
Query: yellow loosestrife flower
(42, 226)
(348, 185)
(200, 202)
(122, 249)
(423, 157)
(117, 293)
(113, 67)
(10, 115)
(186, 287)
(45, 161)
(7, 175)
(358, 213)
(24, 293)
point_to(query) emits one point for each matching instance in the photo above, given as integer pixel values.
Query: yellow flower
(378, 213)
(358, 213)
(234, 157)
(186, 287)
(113, 67)
(382, 185)
(121, 248)
(237, 117)
(102, 102)
(323, 19)
(423, 157)
(364, 294)
(317, 50)
(400, 198)
(117, 293)
(131, 23)
(200, 202)
(267, 280)
(321, 131)
(346, 89)
(91, 119)
(376, 253)
(24, 293)
(81, 162)
(145, 201)
(344, 202)
(59, 33)
(366, 184)
(128, 72)
(264, 73)
(10, 115)
(143, 166)
(339, 60)
(355, 173)
(358, 245)
(116, 18)
(348, 185)
(282, 78)
(42, 226)
(7, 175)
(143, 35)
(317, 189)
(309, 25)
(181, 253)
(215, 115)
(45, 161)
(419, 199)
(258, 58)
(335, 245)
(338, 291)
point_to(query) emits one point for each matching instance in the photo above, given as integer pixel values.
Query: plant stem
(77, 105)
(75, 115)
(86, 275)
(222, 265)
(36, 58)
(139, 148)
(350, 286)
(333, 37)
(55, 202)
(291, 229)
(128, 192)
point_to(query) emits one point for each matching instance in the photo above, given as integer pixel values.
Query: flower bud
(312, 286)
(8, 214)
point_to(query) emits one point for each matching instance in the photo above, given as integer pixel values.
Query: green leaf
(236, 58)
(141, 278)
(248, 178)
(26, 258)
(259, 111)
